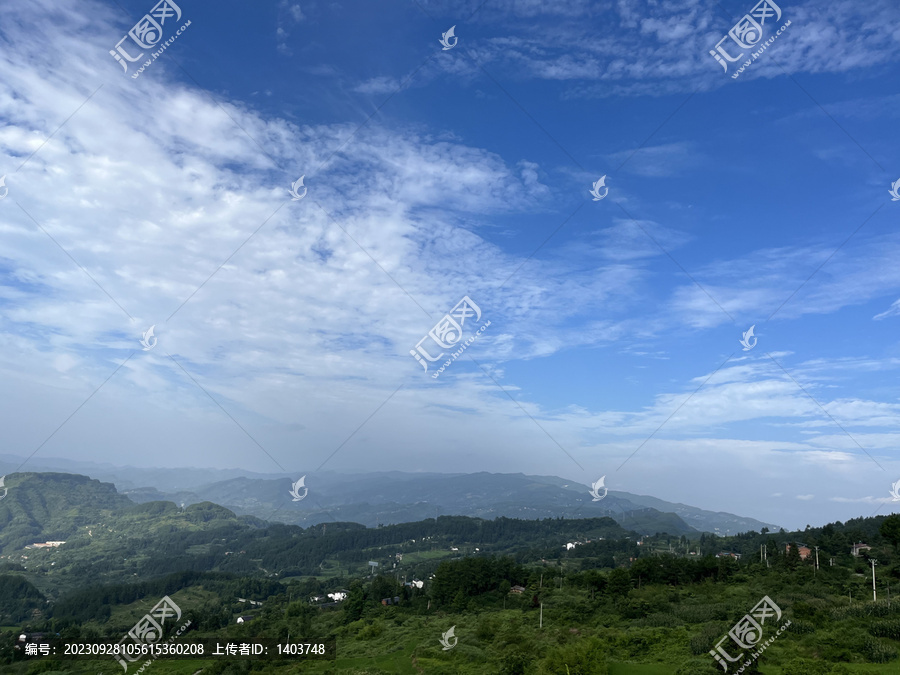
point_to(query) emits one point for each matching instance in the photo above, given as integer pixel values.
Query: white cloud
(893, 310)
(301, 335)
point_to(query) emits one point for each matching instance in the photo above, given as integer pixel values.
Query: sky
(284, 323)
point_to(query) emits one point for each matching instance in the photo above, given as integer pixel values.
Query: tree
(355, 603)
(619, 582)
(792, 559)
(890, 529)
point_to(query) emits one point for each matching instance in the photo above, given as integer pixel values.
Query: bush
(658, 620)
(583, 657)
(486, 628)
(806, 667)
(877, 652)
(373, 630)
(801, 627)
(707, 638)
(887, 629)
(702, 613)
(514, 662)
(699, 667)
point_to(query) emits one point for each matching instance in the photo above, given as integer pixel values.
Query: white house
(338, 596)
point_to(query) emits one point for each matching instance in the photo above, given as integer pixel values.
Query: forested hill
(108, 560)
(109, 539)
(382, 497)
(53, 506)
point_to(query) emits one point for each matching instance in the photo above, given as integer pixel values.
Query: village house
(804, 550)
(728, 554)
(857, 548)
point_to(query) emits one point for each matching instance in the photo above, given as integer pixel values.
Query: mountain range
(389, 497)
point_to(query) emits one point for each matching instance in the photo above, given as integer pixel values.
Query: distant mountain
(398, 497)
(128, 477)
(104, 537)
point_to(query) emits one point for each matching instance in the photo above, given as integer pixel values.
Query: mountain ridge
(374, 498)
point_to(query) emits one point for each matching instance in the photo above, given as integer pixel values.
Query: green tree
(355, 603)
(618, 582)
(792, 559)
(890, 529)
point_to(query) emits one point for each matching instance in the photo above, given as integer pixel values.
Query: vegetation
(518, 598)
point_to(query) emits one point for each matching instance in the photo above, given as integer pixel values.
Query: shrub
(583, 657)
(801, 627)
(702, 613)
(887, 629)
(486, 628)
(658, 620)
(373, 630)
(708, 636)
(806, 667)
(699, 667)
(877, 652)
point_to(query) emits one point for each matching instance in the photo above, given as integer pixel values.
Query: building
(517, 589)
(338, 596)
(804, 550)
(728, 554)
(244, 619)
(46, 544)
(857, 548)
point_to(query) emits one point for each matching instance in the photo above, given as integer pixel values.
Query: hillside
(396, 497)
(524, 597)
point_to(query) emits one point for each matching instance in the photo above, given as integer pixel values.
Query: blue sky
(284, 327)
